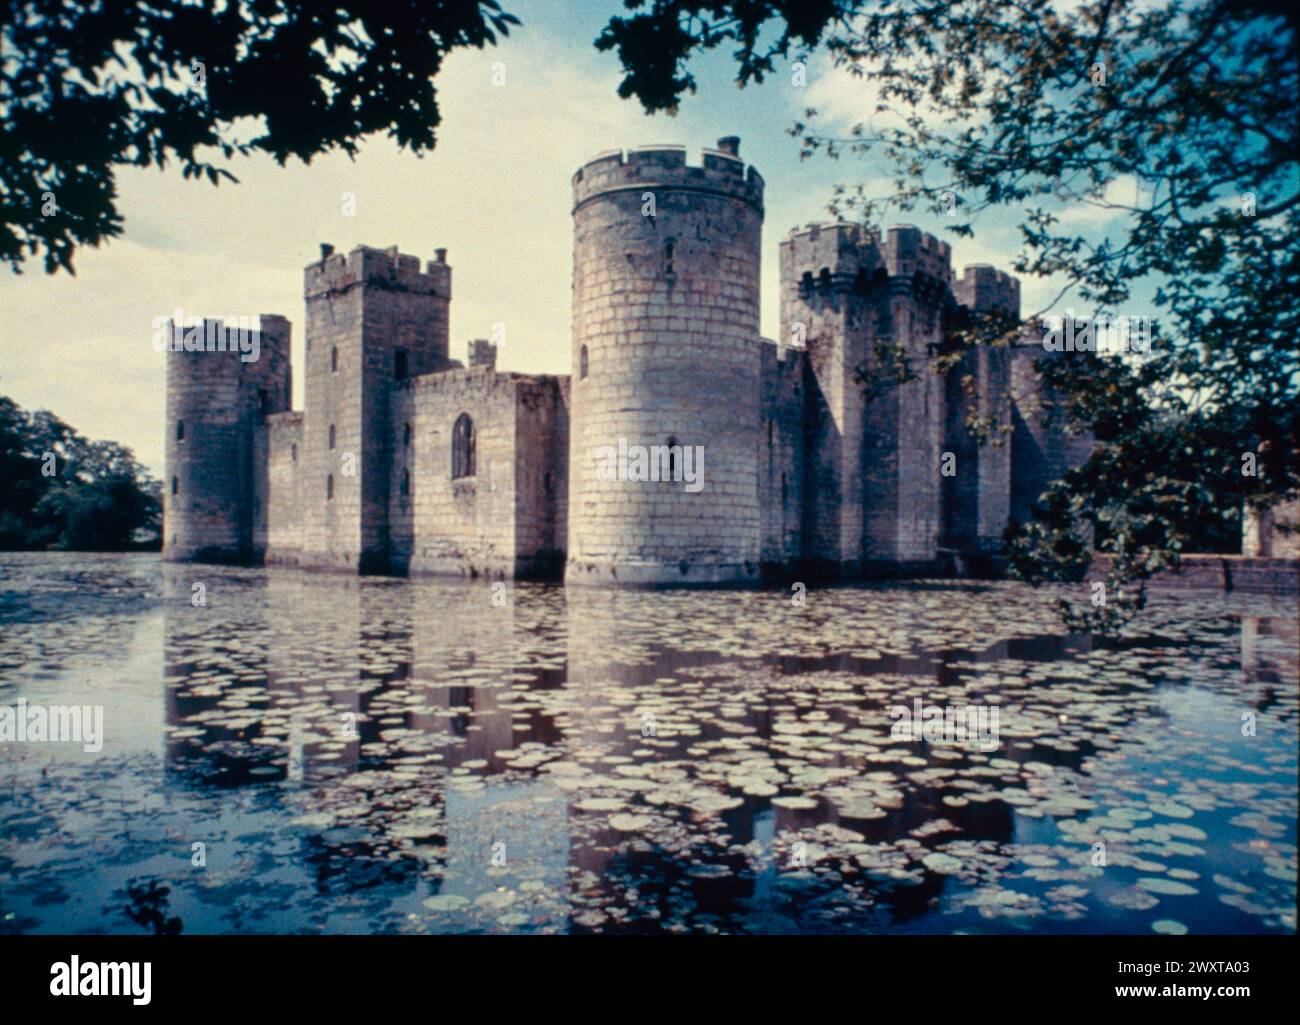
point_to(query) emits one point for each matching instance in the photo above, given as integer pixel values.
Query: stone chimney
(482, 353)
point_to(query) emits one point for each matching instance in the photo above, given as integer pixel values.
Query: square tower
(374, 322)
(864, 305)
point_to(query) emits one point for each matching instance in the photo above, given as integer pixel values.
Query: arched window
(582, 362)
(406, 436)
(462, 447)
(329, 486)
(180, 430)
(334, 359)
(175, 485)
(293, 452)
(406, 482)
(331, 435)
(669, 251)
(673, 453)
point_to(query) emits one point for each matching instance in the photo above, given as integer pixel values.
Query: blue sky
(495, 193)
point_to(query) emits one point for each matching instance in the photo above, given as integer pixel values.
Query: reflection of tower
(460, 633)
(666, 352)
(217, 696)
(214, 494)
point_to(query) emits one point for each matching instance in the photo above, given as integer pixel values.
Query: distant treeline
(61, 490)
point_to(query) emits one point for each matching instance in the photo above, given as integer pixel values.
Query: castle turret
(1042, 450)
(223, 379)
(666, 358)
(374, 318)
(977, 489)
(868, 307)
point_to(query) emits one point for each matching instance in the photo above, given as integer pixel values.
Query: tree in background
(1174, 120)
(88, 86)
(68, 492)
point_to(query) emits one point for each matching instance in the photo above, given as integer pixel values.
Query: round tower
(223, 379)
(664, 430)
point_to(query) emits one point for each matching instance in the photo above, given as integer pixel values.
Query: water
(371, 755)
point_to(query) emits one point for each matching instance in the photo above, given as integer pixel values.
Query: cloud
(496, 193)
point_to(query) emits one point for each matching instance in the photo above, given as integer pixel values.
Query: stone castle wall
(665, 321)
(214, 489)
(783, 463)
(372, 317)
(798, 471)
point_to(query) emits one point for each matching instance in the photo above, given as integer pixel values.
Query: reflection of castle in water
(423, 671)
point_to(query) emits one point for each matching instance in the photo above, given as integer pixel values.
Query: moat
(364, 755)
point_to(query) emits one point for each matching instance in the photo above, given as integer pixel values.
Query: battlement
(983, 288)
(383, 268)
(482, 353)
(909, 250)
(664, 167)
(840, 253)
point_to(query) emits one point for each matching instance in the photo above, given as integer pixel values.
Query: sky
(495, 193)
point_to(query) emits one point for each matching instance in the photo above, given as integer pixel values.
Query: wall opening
(334, 359)
(329, 486)
(180, 430)
(406, 482)
(175, 485)
(331, 441)
(462, 447)
(582, 362)
(399, 365)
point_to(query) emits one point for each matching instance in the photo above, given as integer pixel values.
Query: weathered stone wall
(463, 527)
(541, 475)
(832, 294)
(665, 320)
(284, 502)
(363, 310)
(781, 462)
(977, 499)
(1041, 448)
(873, 493)
(214, 486)
(903, 501)
(1272, 533)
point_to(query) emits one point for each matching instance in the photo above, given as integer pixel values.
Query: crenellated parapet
(841, 256)
(652, 168)
(983, 288)
(381, 268)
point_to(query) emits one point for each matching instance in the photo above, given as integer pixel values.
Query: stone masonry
(405, 460)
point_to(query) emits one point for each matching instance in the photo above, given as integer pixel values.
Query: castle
(405, 460)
